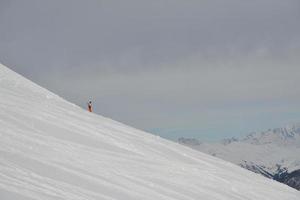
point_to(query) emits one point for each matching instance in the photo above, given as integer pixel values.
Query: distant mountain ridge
(289, 135)
(274, 153)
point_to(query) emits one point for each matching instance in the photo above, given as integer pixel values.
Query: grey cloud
(86, 32)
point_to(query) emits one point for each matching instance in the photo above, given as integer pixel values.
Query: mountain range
(274, 153)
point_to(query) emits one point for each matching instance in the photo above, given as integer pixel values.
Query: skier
(90, 106)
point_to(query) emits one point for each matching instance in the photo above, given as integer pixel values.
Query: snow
(270, 149)
(53, 149)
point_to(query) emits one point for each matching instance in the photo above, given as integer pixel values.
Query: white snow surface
(53, 149)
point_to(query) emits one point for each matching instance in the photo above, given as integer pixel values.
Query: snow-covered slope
(52, 149)
(270, 153)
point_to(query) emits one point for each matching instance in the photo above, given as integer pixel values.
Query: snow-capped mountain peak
(273, 153)
(289, 135)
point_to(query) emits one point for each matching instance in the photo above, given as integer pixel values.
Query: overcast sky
(206, 68)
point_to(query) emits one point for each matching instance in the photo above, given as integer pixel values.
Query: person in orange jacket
(90, 106)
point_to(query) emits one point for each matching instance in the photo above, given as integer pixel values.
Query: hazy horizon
(201, 69)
